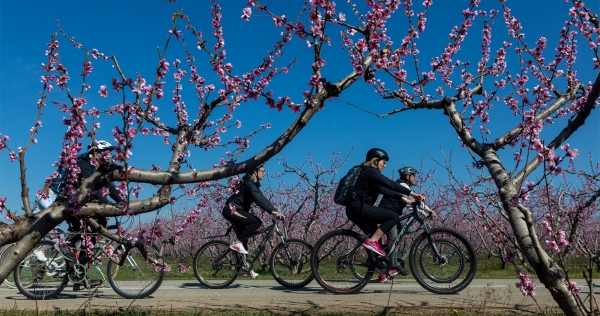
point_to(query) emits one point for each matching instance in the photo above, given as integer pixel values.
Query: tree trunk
(521, 221)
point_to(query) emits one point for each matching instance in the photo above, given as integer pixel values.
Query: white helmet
(100, 145)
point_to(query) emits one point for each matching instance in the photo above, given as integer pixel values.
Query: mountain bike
(124, 268)
(217, 266)
(441, 260)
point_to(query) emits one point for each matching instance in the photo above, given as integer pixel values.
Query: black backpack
(344, 194)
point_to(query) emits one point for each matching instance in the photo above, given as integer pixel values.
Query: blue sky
(132, 30)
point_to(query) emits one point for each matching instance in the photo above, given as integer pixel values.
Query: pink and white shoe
(239, 248)
(374, 246)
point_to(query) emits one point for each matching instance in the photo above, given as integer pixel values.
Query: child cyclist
(407, 179)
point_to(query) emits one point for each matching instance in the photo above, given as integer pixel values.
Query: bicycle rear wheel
(136, 278)
(340, 263)
(10, 279)
(445, 263)
(290, 263)
(42, 279)
(215, 265)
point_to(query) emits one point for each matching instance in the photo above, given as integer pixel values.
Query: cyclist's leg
(385, 217)
(245, 223)
(354, 214)
(373, 215)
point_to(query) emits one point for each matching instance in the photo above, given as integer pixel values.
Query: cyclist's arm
(259, 198)
(391, 193)
(385, 182)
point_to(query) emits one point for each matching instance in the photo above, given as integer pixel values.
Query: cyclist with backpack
(369, 184)
(407, 179)
(237, 210)
(97, 153)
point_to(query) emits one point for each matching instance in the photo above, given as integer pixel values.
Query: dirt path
(245, 294)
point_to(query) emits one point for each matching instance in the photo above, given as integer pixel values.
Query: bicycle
(127, 272)
(217, 266)
(441, 260)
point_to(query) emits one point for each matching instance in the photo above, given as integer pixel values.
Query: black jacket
(87, 169)
(393, 202)
(371, 183)
(248, 193)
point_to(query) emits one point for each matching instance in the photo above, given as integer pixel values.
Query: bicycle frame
(408, 219)
(267, 232)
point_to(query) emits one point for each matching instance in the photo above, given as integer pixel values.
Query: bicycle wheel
(10, 279)
(215, 265)
(445, 263)
(340, 263)
(290, 263)
(42, 279)
(136, 278)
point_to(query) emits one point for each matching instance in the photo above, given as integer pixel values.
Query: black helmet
(377, 153)
(407, 171)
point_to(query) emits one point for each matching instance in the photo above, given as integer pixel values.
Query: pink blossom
(182, 268)
(547, 229)
(12, 156)
(572, 286)
(2, 203)
(552, 245)
(246, 13)
(525, 285)
(116, 84)
(510, 257)
(103, 92)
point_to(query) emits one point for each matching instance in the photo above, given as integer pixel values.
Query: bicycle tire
(293, 274)
(136, 278)
(216, 266)
(44, 281)
(340, 264)
(448, 274)
(10, 279)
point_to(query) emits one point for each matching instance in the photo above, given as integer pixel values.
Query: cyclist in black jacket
(368, 186)
(237, 208)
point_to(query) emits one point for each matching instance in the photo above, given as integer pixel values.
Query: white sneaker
(40, 255)
(239, 248)
(253, 274)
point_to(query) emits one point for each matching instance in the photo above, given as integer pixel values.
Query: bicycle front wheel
(215, 265)
(42, 275)
(443, 262)
(136, 278)
(340, 264)
(290, 263)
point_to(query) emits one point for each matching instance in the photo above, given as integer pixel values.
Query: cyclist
(95, 152)
(369, 184)
(237, 210)
(407, 179)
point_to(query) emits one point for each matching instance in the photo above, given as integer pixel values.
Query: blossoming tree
(537, 88)
(189, 130)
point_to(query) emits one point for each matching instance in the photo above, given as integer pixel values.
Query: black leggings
(245, 223)
(370, 216)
